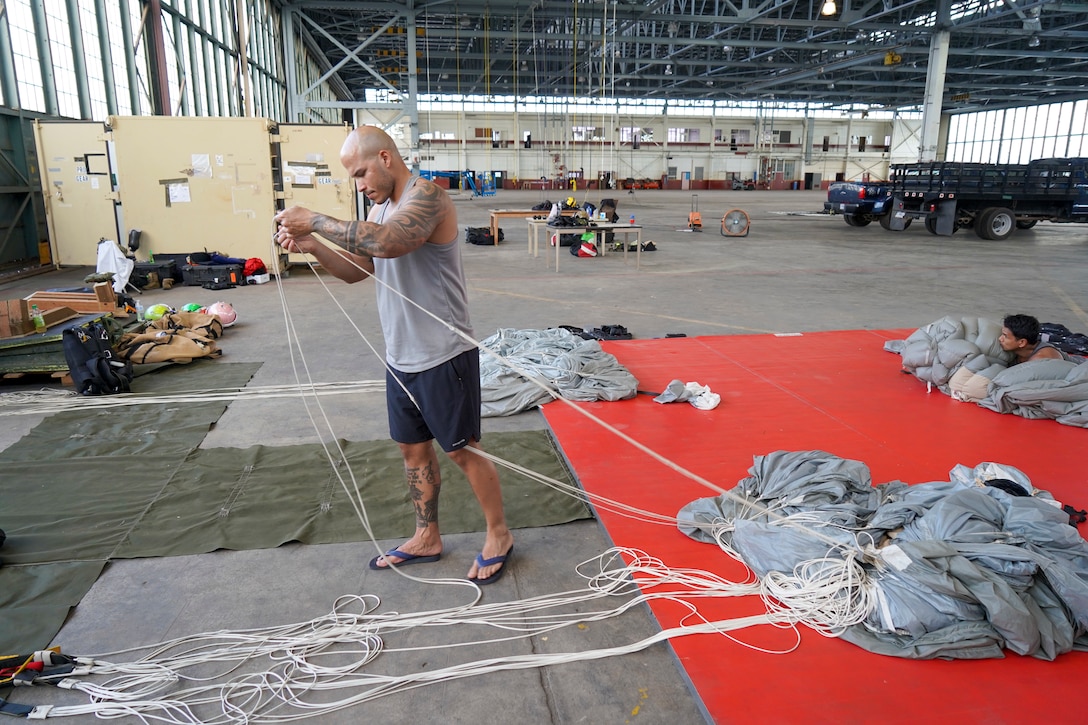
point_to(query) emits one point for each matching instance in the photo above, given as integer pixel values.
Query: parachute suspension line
(833, 544)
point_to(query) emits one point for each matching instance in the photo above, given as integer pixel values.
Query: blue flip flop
(501, 559)
(408, 559)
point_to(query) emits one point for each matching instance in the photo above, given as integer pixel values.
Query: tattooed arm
(424, 210)
(337, 262)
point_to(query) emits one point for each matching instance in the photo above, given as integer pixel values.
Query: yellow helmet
(154, 312)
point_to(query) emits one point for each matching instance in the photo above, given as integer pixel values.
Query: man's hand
(302, 245)
(296, 221)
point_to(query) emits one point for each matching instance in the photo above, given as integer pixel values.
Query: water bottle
(139, 310)
(632, 220)
(36, 317)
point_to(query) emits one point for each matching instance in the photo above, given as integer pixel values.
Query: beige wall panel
(78, 189)
(312, 174)
(191, 184)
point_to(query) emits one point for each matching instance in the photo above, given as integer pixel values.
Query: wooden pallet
(15, 320)
(63, 377)
(101, 299)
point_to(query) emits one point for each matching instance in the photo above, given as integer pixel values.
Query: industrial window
(683, 135)
(1019, 135)
(584, 133)
(60, 47)
(25, 52)
(739, 137)
(635, 134)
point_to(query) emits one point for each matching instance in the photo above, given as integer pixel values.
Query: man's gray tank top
(433, 278)
(1041, 344)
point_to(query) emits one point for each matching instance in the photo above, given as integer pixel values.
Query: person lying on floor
(1020, 336)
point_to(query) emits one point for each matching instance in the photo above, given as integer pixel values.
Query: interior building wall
(711, 149)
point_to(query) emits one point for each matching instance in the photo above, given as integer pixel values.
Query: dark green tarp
(85, 487)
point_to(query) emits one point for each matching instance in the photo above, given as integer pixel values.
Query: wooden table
(615, 228)
(534, 230)
(497, 214)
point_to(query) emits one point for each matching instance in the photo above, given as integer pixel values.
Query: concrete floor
(796, 271)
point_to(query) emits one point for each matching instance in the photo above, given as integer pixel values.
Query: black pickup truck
(992, 199)
(860, 202)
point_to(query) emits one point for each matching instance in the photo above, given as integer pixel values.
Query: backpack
(481, 235)
(608, 208)
(94, 367)
(584, 249)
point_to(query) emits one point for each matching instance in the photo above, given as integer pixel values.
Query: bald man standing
(409, 244)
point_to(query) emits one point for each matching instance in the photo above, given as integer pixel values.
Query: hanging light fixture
(828, 8)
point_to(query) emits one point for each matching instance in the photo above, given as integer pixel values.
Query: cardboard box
(258, 278)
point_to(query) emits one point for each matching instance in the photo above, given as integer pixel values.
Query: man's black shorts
(449, 403)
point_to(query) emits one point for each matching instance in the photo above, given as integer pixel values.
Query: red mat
(838, 392)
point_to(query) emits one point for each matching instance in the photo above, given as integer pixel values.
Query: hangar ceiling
(872, 53)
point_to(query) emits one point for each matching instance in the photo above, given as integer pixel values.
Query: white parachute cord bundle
(353, 640)
(48, 401)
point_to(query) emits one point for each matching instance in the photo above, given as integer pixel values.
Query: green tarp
(86, 487)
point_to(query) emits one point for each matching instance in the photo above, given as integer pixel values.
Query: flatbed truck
(992, 199)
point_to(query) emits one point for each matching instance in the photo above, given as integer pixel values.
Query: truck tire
(995, 223)
(886, 221)
(856, 220)
(1026, 223)
(931, 225)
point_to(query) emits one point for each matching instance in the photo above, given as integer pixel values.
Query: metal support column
(45, 57)
(411, 103)
(242, 40)
(184, 77)
(130, 57)
(810, 134)
(194, 75)
(79, 59)
(156, 55)
(106, 54)
(934, 95)
(290, 71)
(9, 86)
